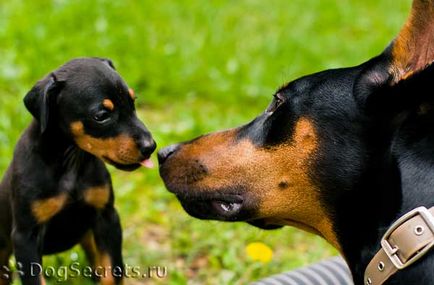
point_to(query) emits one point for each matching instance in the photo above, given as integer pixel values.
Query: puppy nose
(147, 147)
(164, 153)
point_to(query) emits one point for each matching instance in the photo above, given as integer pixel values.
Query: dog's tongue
(147, 163)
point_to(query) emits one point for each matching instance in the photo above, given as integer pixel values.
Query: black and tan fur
(341, 153)
(57, 191)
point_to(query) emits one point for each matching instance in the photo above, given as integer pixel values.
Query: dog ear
(39, 98)
(414, 93)
(411, 52)
(413, 49)
(107, 61)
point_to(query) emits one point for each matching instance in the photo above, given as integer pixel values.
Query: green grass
(197, 66)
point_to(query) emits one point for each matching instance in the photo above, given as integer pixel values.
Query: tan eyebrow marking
(107, 103)
(132, 94)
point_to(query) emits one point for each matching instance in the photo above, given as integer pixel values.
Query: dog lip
(125, 167)
(263, 224)
(216, 196)
(215, 206)
(226, 208)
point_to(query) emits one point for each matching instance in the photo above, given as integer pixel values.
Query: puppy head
(88, 102)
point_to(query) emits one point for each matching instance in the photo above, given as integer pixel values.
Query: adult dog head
(340, 153)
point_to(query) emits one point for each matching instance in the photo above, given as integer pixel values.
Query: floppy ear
(411, 52)
(107, 61)
(39, 98)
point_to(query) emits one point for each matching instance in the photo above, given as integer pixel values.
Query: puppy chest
(97, 196)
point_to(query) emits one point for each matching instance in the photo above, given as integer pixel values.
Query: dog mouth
(231, 204)
(225, 207)
(215, 206)
(147, 163)
(265, 224)
(129, 166)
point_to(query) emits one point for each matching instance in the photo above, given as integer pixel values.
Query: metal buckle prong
(391, 251)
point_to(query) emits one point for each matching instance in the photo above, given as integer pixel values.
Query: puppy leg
(92, 252)
(27, 253)
(5, 254)
(103, 247)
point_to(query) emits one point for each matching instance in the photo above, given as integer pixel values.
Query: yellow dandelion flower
(259, 251)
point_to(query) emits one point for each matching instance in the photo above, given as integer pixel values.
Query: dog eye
(101, 116)
(276, 103)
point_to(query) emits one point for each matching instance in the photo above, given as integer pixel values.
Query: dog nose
(164, 153)
(147, 147)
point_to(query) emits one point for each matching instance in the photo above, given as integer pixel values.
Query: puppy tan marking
(89, 246)
(43, 210)
(97, 196)
(106, 263)
(99, 260)
(121, 149)
(132, 94)
(108, 104)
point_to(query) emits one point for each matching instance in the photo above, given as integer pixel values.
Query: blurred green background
(196, 66)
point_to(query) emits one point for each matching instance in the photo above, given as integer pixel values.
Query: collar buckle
(392, 251)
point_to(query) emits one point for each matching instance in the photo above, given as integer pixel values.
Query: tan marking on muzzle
(97, 196)
(43, 210)
(108, 104)
(232, 162)
(121, 149)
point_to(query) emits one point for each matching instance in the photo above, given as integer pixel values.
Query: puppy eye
(101, 116)
(276, 103)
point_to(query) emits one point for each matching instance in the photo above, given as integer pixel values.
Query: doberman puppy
(57, 191)
(341, 153)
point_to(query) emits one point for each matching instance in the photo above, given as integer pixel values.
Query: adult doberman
(342, 153)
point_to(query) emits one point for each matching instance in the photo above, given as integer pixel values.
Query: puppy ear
(410, 53)
(107, 61)
(39, 98)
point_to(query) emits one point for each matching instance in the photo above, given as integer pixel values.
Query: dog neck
(402, 183)
(56, 147)
(361, 220)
